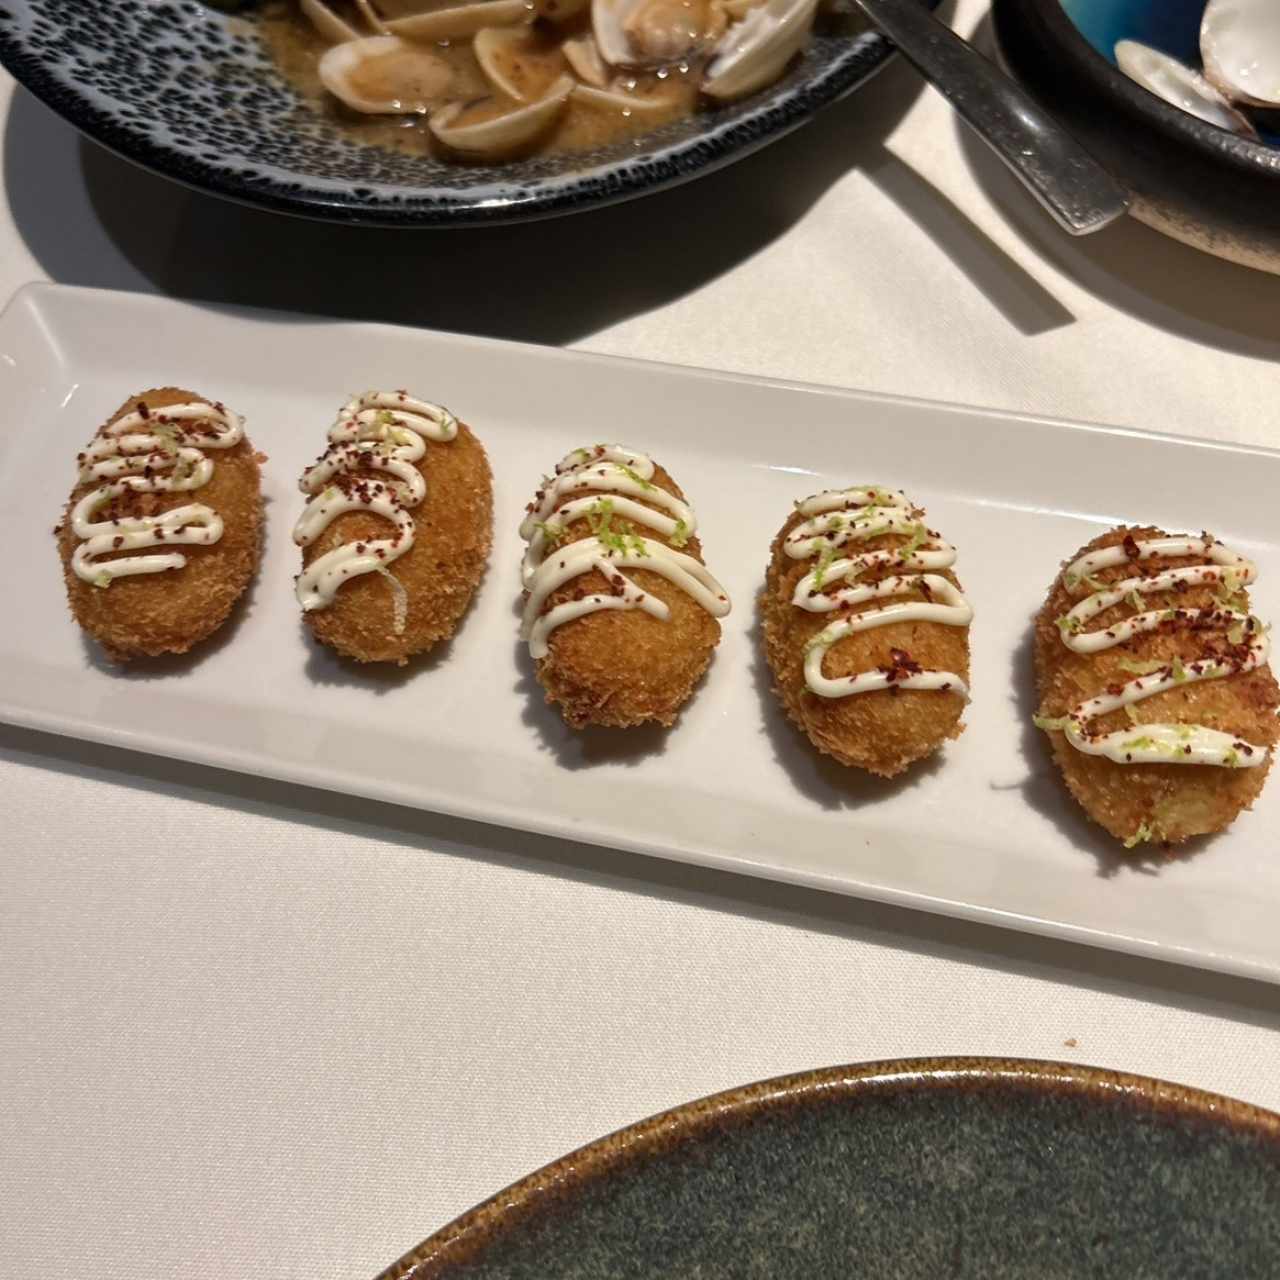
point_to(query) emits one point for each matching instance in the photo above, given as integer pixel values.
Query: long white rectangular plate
(986, 832)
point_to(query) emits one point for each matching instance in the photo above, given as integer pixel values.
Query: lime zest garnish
(1069, 623)
(825, 557)
(919, 534)
(1231, 759)
(635, 476)
(680, 537)
(102, 579)
(1135, 600)
(1144, 833)
(1141, 668)
(552, 534)
(1051, 722)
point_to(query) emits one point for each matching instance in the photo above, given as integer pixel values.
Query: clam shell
(326, 22)
(502, 134)
(423, 79)
(584, 60)
(653, 33)
(756, 49)
(512, 67)
(461, 20)
(617, 100)
(1178, 84)
(1240, 45)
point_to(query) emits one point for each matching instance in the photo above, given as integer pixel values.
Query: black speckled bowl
(965, 1168)
(1193, 181)
(192, 94)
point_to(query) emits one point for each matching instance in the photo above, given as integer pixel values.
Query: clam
(559, 11)
(1240, 45)
(584, 60)
(622, 101)
(371, 16)
(653, 33)
(1178, 84)
(333, 28)
(491, 132)
(755, 49)
(384, 75)
(518, 61)
(458, 21)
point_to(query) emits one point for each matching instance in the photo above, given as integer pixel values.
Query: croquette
(397, 471)
(156, 468)
(1213, 697)
(878, 695)
(621, 614)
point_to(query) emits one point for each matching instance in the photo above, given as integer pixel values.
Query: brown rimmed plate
(955, 1167)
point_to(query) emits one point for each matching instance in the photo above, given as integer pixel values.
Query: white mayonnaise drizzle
(377, 431)
(1161, 743)
(882, 511)
(626, 476)
(150, 451)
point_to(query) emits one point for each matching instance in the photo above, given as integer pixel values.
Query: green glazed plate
(955, 1168)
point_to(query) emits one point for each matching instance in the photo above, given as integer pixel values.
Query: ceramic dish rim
(459, 1241)
(1209, 140)
(610, 183)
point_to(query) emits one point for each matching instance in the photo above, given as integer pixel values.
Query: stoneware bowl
(969, 1168)
(1193, 181)
(191, 93)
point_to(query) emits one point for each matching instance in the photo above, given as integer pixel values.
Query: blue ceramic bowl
(1191, 180)
(1172, 26)
(192, 93)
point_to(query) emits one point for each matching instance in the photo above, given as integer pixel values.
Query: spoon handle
(1079, 193)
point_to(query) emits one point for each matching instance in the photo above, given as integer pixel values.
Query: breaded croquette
(1154, 684)
(163, 531)
(869, 649)
(620, 612)
(397, 532)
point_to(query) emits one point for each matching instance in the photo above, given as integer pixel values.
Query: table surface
(251, 1030)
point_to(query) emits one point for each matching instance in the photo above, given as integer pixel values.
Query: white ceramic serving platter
(985, 832)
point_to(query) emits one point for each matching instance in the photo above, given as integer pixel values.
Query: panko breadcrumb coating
(1140, 802)
(885, 730)
(149, 614)
(622, 667)
(452, 535)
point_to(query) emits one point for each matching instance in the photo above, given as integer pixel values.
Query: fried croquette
(163, 531)
(869, 648)
(1154, 685)
(397, 533)
(620, 611)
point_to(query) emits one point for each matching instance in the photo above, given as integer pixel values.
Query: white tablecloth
(248, 1030)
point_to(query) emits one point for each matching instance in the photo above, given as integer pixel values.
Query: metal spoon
(1079, 193)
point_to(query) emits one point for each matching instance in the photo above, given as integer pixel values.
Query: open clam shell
(519, 62)
(459, 21)
(327, 22)
(755, 50)
(1178, 84)
(384, 75)
(584, 60)
(621, 102)
(654, 33)
(1240, 45)
(493, 136)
